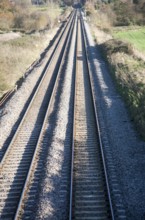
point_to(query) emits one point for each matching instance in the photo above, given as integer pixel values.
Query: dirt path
(9, 36)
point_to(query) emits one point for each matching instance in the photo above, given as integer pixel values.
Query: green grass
(135, 37)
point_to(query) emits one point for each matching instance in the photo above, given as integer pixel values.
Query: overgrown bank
(128, 72)
(126, 65)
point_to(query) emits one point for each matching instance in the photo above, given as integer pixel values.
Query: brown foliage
(128, 13)
(115, 46)
(6, 14)
(21, 17)
(5, 5)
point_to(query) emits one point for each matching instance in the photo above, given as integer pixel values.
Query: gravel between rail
(54, 191)
(128, 150)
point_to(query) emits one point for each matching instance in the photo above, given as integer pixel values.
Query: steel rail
(35, 94)
(98, 134)
(33, 162)
(72, 157)
(97, 121)
(5, 97)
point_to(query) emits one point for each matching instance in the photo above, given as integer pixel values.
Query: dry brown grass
(37, 18)
(17, 55)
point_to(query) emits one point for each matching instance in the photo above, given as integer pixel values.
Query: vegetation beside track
(25, 17)
(123, 47)
(17, 55)
(128, 72)
(35, 26)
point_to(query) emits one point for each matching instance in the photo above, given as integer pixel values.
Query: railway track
(5, 97)
(50, 56)
(89, 194)
(22, 161)
(19, 159)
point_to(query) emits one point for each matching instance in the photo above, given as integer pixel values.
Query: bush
(115, 46)
(6, 15)
(6, 21)
(27, 19)
(35, 21)
(128, 73)
(40, 20)
(19, 21)
(126, 14)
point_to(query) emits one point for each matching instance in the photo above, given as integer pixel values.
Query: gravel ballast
(54, 189)
(128, 150)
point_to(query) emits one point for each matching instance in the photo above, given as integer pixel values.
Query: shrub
(6, 20)
(40, 20)
(24, 18)
(115, 46)
(6, 15)
(126, 14)
(128, 73)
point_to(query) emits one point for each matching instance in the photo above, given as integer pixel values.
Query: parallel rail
(9, 93)
(5, 97)
(51, 56)
(19, 160)
(90, 196)
(50, 64)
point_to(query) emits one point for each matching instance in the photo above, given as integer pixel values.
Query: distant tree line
(39, 2)
(118, 12)
(66, 2)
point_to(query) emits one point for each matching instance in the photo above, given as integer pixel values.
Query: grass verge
(135, 36)
(128, 73)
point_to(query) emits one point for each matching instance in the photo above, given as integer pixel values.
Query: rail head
(72, 145)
